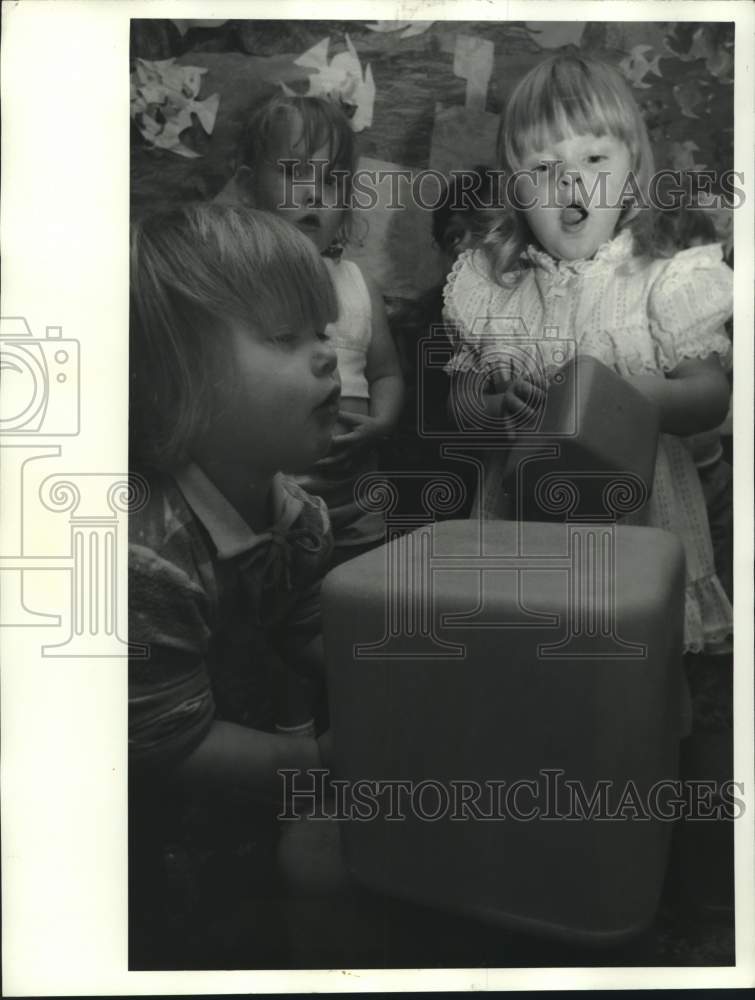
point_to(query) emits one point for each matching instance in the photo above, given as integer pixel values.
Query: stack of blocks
(523, 680)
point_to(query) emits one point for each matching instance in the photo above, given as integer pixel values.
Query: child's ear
(244, 179)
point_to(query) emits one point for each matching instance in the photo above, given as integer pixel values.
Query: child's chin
(305, 462)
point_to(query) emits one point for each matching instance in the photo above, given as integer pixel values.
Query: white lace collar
(610, 254)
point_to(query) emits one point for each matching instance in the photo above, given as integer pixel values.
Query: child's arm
(383, 368)
(173, 730)
(693, 397)
(383, 374)
(232, 756)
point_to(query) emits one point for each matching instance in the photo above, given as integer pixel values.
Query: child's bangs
(195, 272)
(301, 127)
(297, 293)
(282, 282)
(324, 125)
(566, 98)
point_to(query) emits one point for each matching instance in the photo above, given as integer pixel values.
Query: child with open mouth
(579, 252)
(297, 161)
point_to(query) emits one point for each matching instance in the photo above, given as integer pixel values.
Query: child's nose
(570, 181)
(306, 188)
(325, 359)
(568, 175)
(307, 196)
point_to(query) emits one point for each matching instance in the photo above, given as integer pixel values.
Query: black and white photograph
(407, 593)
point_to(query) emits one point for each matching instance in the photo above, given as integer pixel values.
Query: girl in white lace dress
(579, 251)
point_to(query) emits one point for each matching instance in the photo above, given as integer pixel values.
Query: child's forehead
(289, 135)
(564, 131)
(567, 117)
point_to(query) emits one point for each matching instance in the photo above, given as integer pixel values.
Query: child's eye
(596, 158)
(545, 166)
(285, 338)
(322, 335)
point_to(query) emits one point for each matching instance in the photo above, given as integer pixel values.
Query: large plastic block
(559, 649)
(598, 429)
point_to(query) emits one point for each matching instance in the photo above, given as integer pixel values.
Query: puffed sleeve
(688, 305)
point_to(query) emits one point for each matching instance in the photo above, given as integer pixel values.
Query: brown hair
(323, 123)
(194, 270)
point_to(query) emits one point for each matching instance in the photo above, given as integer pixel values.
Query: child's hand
(365, 434)
(522, 402)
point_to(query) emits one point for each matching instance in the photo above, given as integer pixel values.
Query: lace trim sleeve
(465, 295)
(688, 306)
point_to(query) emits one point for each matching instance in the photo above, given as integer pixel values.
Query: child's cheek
(534, 191)
(523, 193)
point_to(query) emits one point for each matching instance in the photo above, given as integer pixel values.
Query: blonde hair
(194, 271)
(573, 94)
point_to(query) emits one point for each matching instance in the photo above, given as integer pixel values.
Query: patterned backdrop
(438, 90)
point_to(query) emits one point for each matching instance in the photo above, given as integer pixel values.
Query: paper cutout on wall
(163, 100)
(636, 66)
(689, 95)
(340, 79)
(554, 34)
(683, 156)
(410, 28)
(718, 55)
(208, 22)
(473, 62)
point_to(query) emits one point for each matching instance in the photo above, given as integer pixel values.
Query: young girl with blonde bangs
(580, 251)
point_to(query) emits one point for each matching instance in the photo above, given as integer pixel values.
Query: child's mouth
(331, 402)
(309, 223)
(573, 217)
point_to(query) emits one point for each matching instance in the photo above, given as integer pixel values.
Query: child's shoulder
(162, 517)
(696, 260)
(471, 265)
(472, 288)
(698, 273)
(345, 272)
(169, 556)
(690, 300)
(354, 290)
